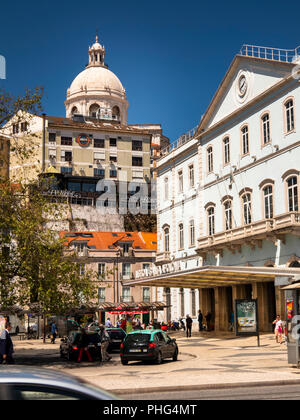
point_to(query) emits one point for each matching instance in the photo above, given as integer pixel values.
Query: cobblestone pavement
(205, 360)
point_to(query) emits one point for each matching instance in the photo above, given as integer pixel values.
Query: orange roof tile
(111, 240)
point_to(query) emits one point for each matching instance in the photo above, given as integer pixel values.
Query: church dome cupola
(97, 92)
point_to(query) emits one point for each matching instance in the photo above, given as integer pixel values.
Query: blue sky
(170, 55)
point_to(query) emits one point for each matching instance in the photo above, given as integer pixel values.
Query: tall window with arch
(94, 110)
(228, 214)
(210, 160)
(265, 123)
(289, 115)
(180, 181)
(211, 221)
(292, 188)
(226, 150)
(268, 201)
(245, 140)
(166, 188)
(181, 236)
(167, 239)
(247, 211)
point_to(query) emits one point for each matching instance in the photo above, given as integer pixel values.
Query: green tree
(34, 265)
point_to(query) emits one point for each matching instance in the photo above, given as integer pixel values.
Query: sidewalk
(205, 361)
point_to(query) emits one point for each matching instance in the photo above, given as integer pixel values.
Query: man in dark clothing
(189, 323)
(208, 320)
(200, 320)
(6, 346)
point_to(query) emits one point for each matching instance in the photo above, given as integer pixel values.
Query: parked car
(153, 345)
(117, 336)
(92, 326)
(30, 383)
(69, 345)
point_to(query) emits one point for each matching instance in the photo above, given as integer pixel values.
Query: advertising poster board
(246, 317)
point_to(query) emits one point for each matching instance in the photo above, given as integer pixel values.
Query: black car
(69, 347)
(117, 336)
(146, 345)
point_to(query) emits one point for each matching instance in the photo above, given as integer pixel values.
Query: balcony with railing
(251, 234)
(268, 53)
(185, 138)
(163, 257)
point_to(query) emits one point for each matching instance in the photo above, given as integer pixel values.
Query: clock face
(243, 85)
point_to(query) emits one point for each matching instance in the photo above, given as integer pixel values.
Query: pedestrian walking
(200, 320)
(53, 332)
(105, 340)
(108, 323)
(278, 329)
(6, 346)
(182, 324)
(83, 345)
(189, 323)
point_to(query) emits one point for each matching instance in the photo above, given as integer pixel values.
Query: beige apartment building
(4, 156)
(115, 257)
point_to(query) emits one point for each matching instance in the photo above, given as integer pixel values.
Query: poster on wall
(246, 317)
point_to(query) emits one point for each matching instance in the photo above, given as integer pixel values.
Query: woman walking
(278, 329)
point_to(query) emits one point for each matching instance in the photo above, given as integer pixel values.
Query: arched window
(226, 150)
(180, 181)
(74, 111)
(245, 140)
(94, 110)
(292, 189)
(167, 239)
(289, 115)
(268, 201)
(192, 232)
(228, 215)
(211, 220)
(116, 113)
(265, 128)
(181, 236)
(210, 160)
(247, 211)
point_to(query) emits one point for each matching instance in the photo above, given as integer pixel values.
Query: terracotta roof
(112, 240)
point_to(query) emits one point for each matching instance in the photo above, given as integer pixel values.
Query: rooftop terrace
(268, 53)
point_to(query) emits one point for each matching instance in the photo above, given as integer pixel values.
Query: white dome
(96, 80)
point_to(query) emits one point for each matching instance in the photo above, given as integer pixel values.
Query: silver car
(30, 383)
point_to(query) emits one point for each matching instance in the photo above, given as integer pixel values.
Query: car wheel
(159, 358)
(175, 356)
(124, 362)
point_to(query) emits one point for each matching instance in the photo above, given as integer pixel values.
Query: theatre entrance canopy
(218, 276)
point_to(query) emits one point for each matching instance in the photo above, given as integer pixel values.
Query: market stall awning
(214, 276)
(132, 306)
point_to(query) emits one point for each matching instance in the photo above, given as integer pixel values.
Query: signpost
(246, 318)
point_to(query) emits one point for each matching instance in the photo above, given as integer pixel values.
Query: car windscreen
(92, 338)
(138, 339)
(119, 335)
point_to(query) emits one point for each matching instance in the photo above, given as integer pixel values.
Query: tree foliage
(34, 265)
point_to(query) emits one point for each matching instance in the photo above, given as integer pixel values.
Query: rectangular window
(112, 142)
(66, 156)
(101, 294)
(146, 294)
(113, 158)
(192, 233)
(113, 173)
(266, 129)
(226, 145)
(52, 154)
(268, 197)
(52, 137)
(66, 141)
(99, 172)
(289, 108)
(24, 126)
(126, 294)
(101, 270)
(166, 182)
(137, 145)
(211, 221)
(67, 171)
(137, 161)
(15, 128)
(99, 143)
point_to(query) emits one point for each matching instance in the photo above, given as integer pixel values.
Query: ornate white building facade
(244, 205)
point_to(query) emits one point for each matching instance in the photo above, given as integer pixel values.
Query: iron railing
(268, 53)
